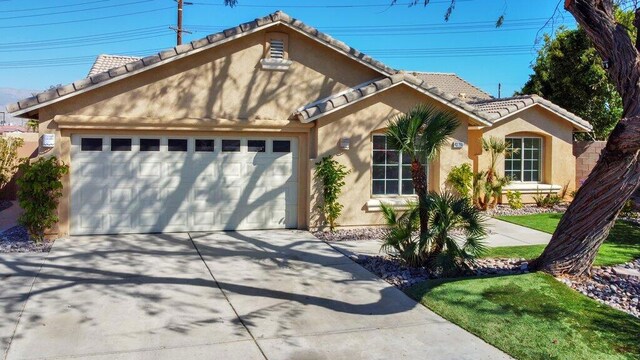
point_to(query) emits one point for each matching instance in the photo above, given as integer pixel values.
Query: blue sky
(44, 43)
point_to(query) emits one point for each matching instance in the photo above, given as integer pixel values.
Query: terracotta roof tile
(107, 62)
(342, 99)
(454, 85)
(501, 108)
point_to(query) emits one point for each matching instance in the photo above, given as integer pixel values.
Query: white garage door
(139, 184)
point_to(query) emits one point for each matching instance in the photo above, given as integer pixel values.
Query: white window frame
(521, 154)
(400, 178)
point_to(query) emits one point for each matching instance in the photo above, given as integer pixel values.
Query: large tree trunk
(591, 215)
(593, 212)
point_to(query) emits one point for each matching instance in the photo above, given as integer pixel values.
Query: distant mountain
(9, 95)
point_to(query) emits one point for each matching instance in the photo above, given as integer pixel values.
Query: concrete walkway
(235, 295)
(501, 233)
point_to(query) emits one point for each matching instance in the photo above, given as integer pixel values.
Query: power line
(77, 10)
(87, 41)
(85, 20)
(54, 7)
(75, 39)
(342, 6)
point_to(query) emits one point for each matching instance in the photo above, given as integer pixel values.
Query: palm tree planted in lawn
(420, 134)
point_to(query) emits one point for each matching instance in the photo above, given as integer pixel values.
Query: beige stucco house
(224, 132)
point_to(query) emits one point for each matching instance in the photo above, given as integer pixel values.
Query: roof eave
(450, 104)
(576, 124)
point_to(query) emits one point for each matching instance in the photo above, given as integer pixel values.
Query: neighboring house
(224, 132)
(12, 129)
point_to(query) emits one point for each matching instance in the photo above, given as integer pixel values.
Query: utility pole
(178, 29)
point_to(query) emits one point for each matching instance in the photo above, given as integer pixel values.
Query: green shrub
(455, 237)
(460, 178)
(514, 199)
(40, 188)
(330, 174)
(627, 209)
(8, 158)
(548, 200)
(402, 239)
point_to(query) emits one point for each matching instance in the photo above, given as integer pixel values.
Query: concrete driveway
(234, 295)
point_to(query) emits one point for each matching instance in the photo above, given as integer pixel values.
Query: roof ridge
(515, 97)
(432, 72)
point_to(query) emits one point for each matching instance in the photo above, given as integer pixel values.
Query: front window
(391, 173)
(524, 162)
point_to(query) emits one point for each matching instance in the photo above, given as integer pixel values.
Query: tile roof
(107, 62)
(340, 100)
(453, 84)
(100, 79)
(501, 108)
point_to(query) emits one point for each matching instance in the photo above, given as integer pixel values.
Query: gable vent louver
(276, 49)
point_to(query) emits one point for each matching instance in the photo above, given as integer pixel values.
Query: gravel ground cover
(398, 274)
(5, 204)
(16, 240)
(618, 287)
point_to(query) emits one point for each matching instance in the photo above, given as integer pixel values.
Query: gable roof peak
(29, 106)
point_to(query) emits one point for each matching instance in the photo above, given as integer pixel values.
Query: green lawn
(533, 316)
(623, 244)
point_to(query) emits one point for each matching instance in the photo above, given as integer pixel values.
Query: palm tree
(496, 148)
(420, 134)
(456, 231)
(455, 237)
(492, 183)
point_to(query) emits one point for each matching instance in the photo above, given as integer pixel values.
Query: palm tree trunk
(419, 177)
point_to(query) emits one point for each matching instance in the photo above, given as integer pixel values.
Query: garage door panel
(151, 169)
(149, 195)
(91, 222)
(119, 222)
(92, 197)
(92, 169)
(231, 170)
(154, 191)
(121, 198)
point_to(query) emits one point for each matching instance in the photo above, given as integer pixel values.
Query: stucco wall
(29, 149)
(558, 162)
(358, 122)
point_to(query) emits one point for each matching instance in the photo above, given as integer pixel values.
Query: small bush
(39, 190)
(330, 174)
(8, 158)
(455, 237)
(548, 200)
(515, 199)
(627, 209)
(460, 178)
